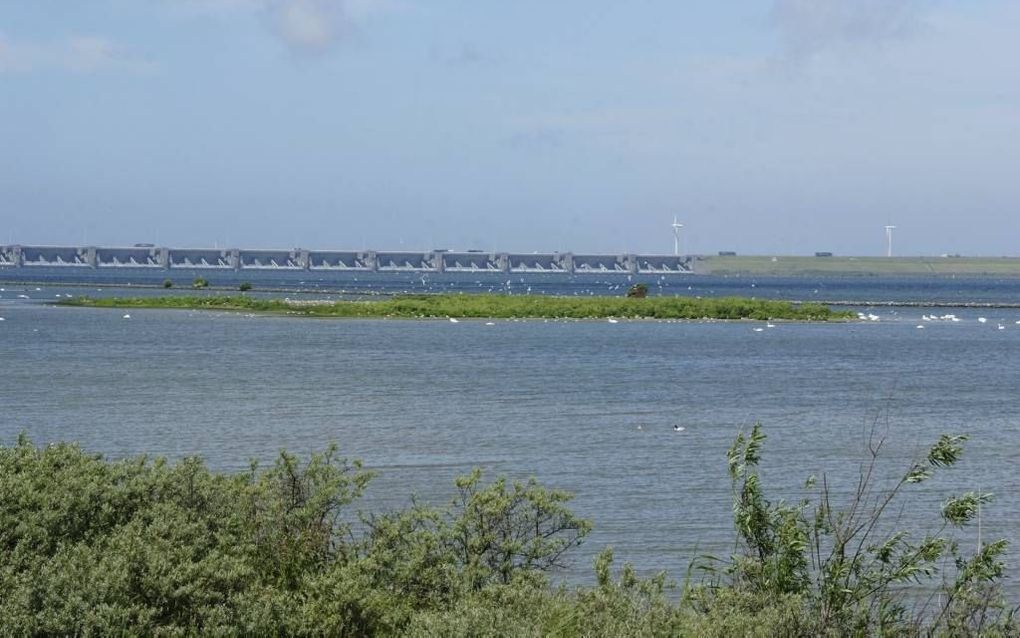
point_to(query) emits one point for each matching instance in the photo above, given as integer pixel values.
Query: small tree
(848, 566)
(500, 531)
(244, 287)
(199, 283)
(638, 291)
(167, 283)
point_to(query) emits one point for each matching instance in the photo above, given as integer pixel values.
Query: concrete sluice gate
(270, 259)
(320, 260)
(152, 257)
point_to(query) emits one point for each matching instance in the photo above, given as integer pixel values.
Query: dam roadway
(152, 258)
(299, 269)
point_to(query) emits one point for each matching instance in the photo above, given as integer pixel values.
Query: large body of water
(585, 406)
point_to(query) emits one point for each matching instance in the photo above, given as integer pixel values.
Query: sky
(764, 126)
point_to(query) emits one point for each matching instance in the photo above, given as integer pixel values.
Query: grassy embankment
(146, 547)
(793, 266)
(493, 307)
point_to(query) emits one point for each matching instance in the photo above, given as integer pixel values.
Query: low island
(491, 307)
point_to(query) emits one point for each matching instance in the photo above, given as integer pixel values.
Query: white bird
(2, 319)
(678, 428)
(770, 325)
(611, 320)
(452, 320)
(920, 327)
(1002, 327)
(759, 329)
(981, 320)
(489, 323)
(127, 316)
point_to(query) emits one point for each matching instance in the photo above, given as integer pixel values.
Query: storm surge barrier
(238, 259)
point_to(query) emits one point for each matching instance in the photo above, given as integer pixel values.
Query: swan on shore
(452, 320)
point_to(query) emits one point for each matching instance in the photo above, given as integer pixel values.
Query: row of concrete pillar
(237, 259)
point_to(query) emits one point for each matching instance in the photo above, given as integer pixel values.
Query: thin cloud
(808, 27)
(310, 27)
(84, 54)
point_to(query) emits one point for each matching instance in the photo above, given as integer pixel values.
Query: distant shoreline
(849, 266)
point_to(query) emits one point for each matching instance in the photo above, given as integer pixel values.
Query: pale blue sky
(766, 126)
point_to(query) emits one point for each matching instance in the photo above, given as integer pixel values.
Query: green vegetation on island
(145, 546)
(493, 307)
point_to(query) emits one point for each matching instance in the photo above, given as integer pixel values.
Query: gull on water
(982, 320)
(452, 320)
(127, 316)
(678, 428)
(759, 329)
(611, 320)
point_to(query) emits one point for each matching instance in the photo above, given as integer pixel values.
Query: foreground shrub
(140, 546)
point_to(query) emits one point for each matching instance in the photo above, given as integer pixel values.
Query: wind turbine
(888, 240)
(676, 236)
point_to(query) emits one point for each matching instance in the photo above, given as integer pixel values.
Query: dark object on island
(244, 287)
(199, 283)
(167, 283)
(638, 291)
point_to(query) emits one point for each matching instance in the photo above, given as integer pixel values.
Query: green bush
(167, 283)
(199, 282)
(139, 546)
(244, 287)
(638, 291)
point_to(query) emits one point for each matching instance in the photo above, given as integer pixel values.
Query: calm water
(863, 289)
(585, 406)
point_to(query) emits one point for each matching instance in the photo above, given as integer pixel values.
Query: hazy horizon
(766, 126)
